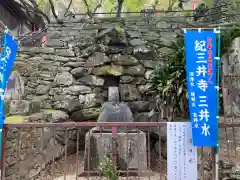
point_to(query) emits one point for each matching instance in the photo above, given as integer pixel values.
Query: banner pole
(218, 58)
(2, 113)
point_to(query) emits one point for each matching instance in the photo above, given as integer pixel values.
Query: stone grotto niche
(111, 81)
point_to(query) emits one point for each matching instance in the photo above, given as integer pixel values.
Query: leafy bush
(227, 37)
(108, 169)
(169, 80)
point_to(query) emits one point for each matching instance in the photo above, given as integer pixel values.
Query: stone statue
(114, 110)
(101, 143)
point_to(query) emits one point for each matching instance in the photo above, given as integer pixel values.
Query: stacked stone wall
(69, 73)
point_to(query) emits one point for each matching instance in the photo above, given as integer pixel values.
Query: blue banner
(7, 59)
(10, 56)
(200, 49)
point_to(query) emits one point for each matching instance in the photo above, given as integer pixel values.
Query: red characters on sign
(209, 47)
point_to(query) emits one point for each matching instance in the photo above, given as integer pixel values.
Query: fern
(169, 81)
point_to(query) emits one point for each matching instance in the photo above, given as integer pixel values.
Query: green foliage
(188, 13)
(165, 4)
(15, 119)
(133, 5)
(6, 108)
(43, 5)
(110, 70)
(109, 6)
(235, 4)
(169, 80)
(108, 170)
(208, 3)
(228, 36)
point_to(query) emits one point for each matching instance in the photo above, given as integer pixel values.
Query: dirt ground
(229, 139)
(76, 167)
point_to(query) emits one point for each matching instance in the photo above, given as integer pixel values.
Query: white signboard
(181, 154)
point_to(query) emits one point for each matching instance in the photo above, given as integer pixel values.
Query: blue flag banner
(7, 59)
(10, 56)
(200, 50)
(0, 143)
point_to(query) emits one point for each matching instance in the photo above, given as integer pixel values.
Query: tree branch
(119, 8)
(25, 6)
(88, 9)
(170, 8)
(98, 6)
(54, 12)
(34, 3)
(69, 5)
(36, 9)
(156, 2)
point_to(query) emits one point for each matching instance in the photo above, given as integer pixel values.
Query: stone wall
(69, 73)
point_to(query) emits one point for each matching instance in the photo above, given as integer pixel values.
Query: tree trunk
(119, 8)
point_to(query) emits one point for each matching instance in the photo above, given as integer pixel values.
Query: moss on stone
(15, 120)
(50, 110)
(110, 70)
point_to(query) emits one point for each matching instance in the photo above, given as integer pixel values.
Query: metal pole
(216, 165)
(3, 154)
(218, 58)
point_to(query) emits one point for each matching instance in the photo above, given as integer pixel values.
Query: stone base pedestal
(130, 147)
(236, 168)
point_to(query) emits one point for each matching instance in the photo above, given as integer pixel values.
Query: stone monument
(236, 168)
(130, 148)
(15, 87)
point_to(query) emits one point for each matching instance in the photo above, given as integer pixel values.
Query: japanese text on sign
(201, 79)
(181, 154)
(7, 59)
